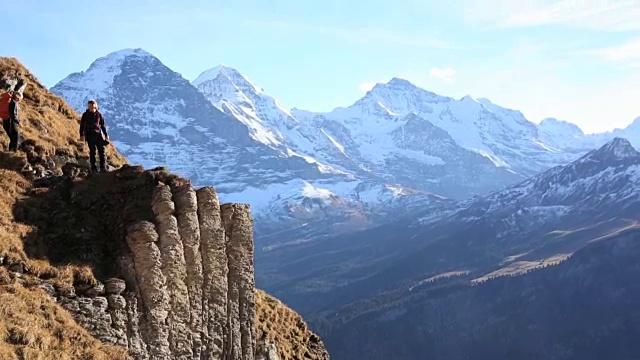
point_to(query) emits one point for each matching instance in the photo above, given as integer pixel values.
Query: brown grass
(47, 120)
(287, 329)
(33, 326)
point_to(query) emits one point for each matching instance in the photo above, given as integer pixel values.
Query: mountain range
(449, 226)
(517, 273)
(397, 149)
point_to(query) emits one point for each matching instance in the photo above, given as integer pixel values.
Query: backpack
(5, 100)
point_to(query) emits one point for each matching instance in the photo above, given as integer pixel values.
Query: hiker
(91, 128)
(10, 120)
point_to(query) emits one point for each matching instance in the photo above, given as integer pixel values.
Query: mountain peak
(616, 149)
(398, 96)
(101, 73)
(129, 52)
(396, 81)
(226, 74)
(469, 98)
(553, 124)
(116, 57)
(214, 72)
(395, 84)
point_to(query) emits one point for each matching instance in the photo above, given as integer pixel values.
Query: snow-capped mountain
(398, 148)
(568, 137)
(528, 225)
(384, 148)
(158, 118)
(501, 135)
(602, 177)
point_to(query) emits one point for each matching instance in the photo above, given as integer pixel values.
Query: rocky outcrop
(186, 317)
(241, 303)
(132, 255)
(188, 287)
(215, 271)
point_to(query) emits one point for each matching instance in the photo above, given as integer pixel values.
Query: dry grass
(47, 120)
(49, 128)
(287, 329)
(34, 327)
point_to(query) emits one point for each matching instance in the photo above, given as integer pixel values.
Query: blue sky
(574, 60)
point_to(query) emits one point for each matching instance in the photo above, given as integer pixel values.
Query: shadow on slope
(83, 222)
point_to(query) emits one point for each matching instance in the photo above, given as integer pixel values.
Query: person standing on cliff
(12, 122)
(91, 129)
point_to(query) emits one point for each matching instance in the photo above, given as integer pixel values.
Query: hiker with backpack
(9, 115)
(91, 129)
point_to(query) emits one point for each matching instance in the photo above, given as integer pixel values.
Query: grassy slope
(32, 325)
(40, 226)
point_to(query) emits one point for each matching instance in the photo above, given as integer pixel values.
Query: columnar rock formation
(189, 284)
(194, 276)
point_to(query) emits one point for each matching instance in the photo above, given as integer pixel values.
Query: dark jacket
(13, 112)
(92, 123)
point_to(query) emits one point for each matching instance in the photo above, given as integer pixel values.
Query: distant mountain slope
(475, 277)
(586, 308)
(389, 153)
(539, 220)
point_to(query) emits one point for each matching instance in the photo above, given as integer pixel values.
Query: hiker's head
(16, 96)
(92, 105)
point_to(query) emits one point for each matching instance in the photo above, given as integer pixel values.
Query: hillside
(66, 235)
(585, 308)
(546, 217)
(433, 278)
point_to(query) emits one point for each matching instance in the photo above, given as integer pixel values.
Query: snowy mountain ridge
(386, 153)
(604, 176)
(158, 118)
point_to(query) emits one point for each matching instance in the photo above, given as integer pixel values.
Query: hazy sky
(574, 60)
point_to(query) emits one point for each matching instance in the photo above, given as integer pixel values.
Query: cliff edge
(133, 263)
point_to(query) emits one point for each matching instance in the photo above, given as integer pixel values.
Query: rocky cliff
(129, 264)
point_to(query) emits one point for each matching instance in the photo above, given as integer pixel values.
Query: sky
(575, 60)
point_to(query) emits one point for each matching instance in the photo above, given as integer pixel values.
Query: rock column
(142, 238)
(175, 273)
(214, 260)
(241, 302)
(186, 212)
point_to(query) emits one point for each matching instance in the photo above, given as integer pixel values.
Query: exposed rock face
(266, 350)
(186, 319)
(215, 271)
(241, 303)
(189, 287)
(174, 269)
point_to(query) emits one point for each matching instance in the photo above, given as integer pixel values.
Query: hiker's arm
(103, 127)
(13, 113)
(83, 121)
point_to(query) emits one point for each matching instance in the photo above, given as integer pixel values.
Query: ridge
(108, 277)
